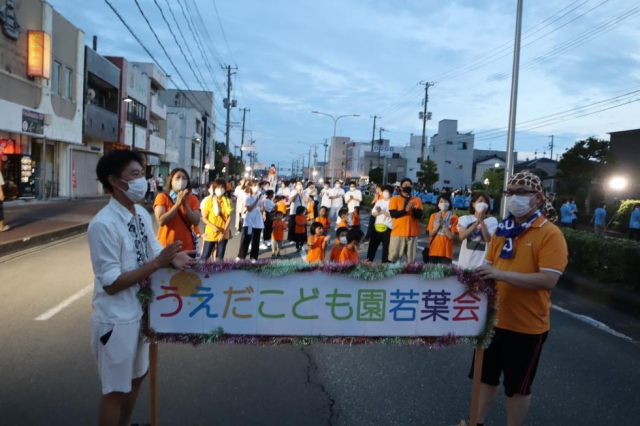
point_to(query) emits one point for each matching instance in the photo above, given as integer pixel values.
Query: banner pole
(153, 382)
(475, 393)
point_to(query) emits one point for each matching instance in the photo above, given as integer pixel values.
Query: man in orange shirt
(350, 252)
(526, 257)
(405, 211)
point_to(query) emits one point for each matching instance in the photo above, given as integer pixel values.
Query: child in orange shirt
(341, 242)
(355, 217)
(310, 210)
(343, 218)
(281, 205)
(350, 252)
(277, 234)
(323, 218)
(300, 230)
(317, 243)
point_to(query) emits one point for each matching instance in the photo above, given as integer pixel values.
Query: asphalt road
(588, 374)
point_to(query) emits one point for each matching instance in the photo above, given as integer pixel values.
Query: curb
(26, 243)
(619, 299)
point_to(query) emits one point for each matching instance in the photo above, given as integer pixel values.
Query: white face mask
(137, 189)
(255, 189)
(352, 188)
(298, 187)
(343, 240)
(178, 185)
(443, 206)
(219, 192)
(337, 185)
(481, 207)
(386, 195)
(518, 205)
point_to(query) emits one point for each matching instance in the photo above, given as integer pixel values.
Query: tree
(588, 160)
(235, 168)
(376, 175)
(496, 180)
(428, 173)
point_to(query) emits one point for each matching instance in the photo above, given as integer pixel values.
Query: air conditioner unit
(47, 119)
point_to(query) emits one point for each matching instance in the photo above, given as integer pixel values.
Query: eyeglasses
(519, 192)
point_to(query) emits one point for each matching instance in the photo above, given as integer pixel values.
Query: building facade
(624, 146)
(453, 154)
(41, 89)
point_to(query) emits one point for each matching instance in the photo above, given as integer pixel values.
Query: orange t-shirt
(325, 221)
(316, 251)
(301, 224)
(542, 247)
(310, 210)
(334, 256)
(407, 225)
(355, 219)
(176, 229)
(281, 206)
(347, 255)
(376, 198)
(441, 245)
(278, 230)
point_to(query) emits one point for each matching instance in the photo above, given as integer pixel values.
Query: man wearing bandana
(526, 257)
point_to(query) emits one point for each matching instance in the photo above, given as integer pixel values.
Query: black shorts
(517, 356)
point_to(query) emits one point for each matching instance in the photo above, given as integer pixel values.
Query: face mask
(406, 189)
(337, 185)
(298, 187)
(255, 189)
(210, 191)
(137, 189)
(219, 192)
(343, 240)
(386, 195)
(352, 188)
(481, 207)
(518, 205)
(178, 185)
(443, 206)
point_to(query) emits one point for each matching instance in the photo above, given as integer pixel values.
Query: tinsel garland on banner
(361, 271)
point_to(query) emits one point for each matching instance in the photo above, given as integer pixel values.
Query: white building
(453, 153)
(337, 157)
(412, 153)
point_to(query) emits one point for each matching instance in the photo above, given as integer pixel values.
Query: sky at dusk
(368, 57)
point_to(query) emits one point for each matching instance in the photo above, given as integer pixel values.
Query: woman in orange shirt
(442, 225)
(350, 252)
(317, 243)
(177, 211)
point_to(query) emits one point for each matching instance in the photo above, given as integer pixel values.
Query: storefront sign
(32, 122)
(39, 60)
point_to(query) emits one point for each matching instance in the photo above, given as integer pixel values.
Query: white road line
(593, 322)
(64, 304)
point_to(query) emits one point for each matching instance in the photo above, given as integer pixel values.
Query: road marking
(593, 322)
(64, 304)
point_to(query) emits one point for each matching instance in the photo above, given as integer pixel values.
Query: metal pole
(133, 122)
(228, 124)
(44, 168)
(508, 171)
(309, 164)
(424, 120)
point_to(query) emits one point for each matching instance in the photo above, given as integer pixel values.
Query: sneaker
(237, 259)
(237, 232)
(253, 261)
(263, 246)
(462, 423)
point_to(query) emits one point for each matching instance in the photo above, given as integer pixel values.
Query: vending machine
(18, 172)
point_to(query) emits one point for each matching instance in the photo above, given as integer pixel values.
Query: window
(193, 151)
(67, 83)
(448, 161)
(462, 145)
(447, 181)
(55, 78)
(418, 160)
(449, 142)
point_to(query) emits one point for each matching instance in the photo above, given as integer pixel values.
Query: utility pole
(551, 147)
(424, 119)
(244, 113)
(205, 118)
(324, 168)
(380, 145)
(373, 134)
(228, 104)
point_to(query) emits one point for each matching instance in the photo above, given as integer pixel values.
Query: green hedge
(614, 261)
(624, 213)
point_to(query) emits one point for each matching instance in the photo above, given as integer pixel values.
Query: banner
(246, 301)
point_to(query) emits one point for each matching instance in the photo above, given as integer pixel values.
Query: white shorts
(123, 358)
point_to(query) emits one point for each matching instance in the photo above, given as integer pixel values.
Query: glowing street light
(618, 183)
(486, 182)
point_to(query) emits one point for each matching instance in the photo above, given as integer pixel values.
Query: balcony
(100, 123)
(158, 108)
(156, 144)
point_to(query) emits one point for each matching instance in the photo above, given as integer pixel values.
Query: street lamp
(335, 122)
(129, 100)
(310, 146)
(618, 183)
(486, 182)
(496, 165)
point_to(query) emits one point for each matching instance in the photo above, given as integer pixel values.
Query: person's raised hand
(182, 195)
(167, 254)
